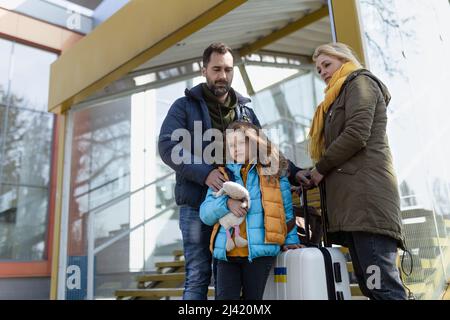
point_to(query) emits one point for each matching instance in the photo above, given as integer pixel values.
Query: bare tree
(26, 142)
(393, 28)
(441, 196)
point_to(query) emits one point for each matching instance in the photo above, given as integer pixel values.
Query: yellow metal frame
(58, 206)
(347, 25)
(136, 33)
(285, 31)
(246, 79)
(446, 295)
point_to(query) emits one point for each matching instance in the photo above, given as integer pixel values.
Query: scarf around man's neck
(316, 133)
(222, 114)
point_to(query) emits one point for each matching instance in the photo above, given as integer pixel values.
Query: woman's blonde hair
(337, 50)
(270, 157)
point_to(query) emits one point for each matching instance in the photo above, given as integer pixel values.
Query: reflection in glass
(27, 148)
(25, 172)
(285, 111)
(122, 213)
(408, 48)
(5, 62)
(23, 221)
(2, 132)
(29, 76)
(25, 151)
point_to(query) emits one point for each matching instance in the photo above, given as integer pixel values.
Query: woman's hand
(303, 177)
(316, 177)
(235, 206)
(287, 247)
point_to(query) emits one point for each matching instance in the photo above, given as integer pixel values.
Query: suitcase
(310, 273)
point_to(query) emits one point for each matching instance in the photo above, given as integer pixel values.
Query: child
(260, 168)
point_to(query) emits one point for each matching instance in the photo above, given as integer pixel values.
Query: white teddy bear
(234, 191)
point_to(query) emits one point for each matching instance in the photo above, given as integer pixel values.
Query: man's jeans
(374, 261)
(196, 236)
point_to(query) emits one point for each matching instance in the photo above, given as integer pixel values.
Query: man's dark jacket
(190, 188)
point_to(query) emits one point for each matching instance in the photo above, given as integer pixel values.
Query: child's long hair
(267, 154)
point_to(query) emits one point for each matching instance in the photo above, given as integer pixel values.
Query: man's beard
(219, 91)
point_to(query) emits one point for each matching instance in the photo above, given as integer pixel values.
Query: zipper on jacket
(221, 118)
(244, 115)
(248, 239)
(246, 222)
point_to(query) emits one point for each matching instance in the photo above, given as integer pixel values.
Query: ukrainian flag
(280, 274)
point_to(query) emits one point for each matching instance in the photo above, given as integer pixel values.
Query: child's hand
(235, 206)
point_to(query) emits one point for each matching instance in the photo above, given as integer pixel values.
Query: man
(215, 104)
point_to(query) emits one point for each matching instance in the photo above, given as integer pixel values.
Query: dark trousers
(196, 236)
(238, 273)
(374, 261)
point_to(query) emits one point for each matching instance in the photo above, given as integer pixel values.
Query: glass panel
(23, 223)
(285, 111)
(118, 263)
(5, 62)
(112, 270)
(408, 48)
(28, 146)
(2, 130)
(269, 113)
(263, 77)
(29, 77)
(109, 224)
(162, 99)
(25, 151)
(100, 174)
(121, 192)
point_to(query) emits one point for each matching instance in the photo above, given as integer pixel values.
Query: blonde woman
(349, 147)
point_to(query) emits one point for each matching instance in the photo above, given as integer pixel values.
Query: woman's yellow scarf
(316, 133)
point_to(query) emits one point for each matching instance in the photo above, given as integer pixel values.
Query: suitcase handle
(323, 215)
(306, 216)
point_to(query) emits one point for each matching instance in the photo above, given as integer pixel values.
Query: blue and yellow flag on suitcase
(280, 274)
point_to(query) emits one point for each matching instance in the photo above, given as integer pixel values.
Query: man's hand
(215, 180)
(235, 207)
(304, 178)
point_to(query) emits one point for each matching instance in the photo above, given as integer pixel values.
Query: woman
(349, 147)
(266, 224)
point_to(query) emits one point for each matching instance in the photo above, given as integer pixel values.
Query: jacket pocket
(349, 167)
